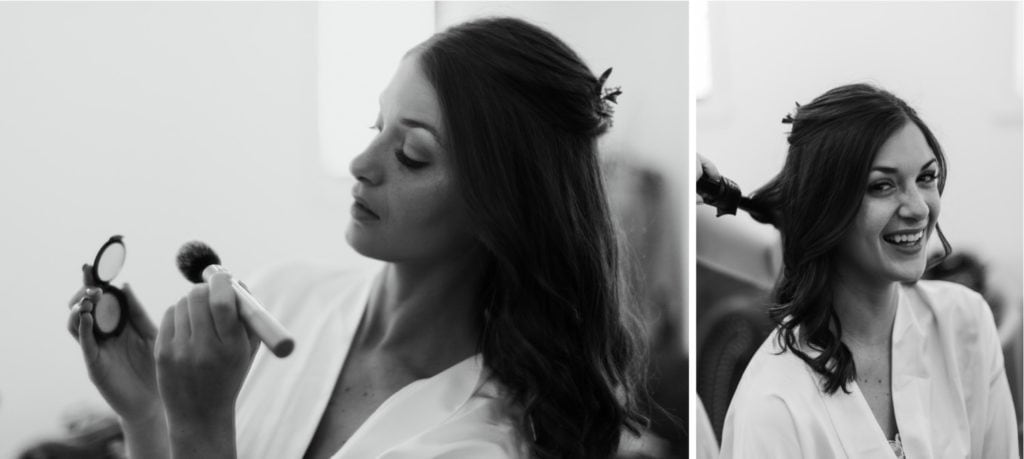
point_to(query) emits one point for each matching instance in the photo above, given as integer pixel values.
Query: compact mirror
(109, 310)
(109, 260)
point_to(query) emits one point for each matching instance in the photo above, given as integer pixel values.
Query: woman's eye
(928, 177)
(409, 162)
(880, 187)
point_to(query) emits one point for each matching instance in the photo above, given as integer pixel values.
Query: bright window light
(701, 49)
(360, 46)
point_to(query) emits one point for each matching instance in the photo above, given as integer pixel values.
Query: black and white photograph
(858, 237)
(344, 229)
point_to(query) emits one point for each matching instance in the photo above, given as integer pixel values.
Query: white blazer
(949, 389)
(459, 412)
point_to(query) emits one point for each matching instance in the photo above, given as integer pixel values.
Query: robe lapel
(859, 433)
(414, 409)
(911, 386)
(279, 395)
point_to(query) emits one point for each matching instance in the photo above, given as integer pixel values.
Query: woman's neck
(866, 310)
(425, 312)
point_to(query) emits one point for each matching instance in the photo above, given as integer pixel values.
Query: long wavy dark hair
(813, 202)
(523, 113)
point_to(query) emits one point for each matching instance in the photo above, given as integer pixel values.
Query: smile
(905, 239)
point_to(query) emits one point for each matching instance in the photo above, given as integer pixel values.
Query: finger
(254, 342)
(199, 313)
(87, 278)
(77, 296)
(73, 319)
(709, 167)
(165, 335)
(223, 306)
(182, 328)
(85, 290)
(86, 338)
(88, 302)
(137, 315)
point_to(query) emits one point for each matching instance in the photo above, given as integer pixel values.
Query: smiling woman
(867, 360)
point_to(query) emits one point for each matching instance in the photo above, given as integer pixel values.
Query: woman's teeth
(906, 239)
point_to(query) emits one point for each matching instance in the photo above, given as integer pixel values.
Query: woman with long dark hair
(867, 360)
(496, 327)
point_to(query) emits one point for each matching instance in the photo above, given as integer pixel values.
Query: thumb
(137, 315)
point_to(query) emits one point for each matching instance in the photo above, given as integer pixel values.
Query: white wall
(953, 62)
(164, 123)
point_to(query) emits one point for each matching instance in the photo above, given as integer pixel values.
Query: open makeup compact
(110, 312)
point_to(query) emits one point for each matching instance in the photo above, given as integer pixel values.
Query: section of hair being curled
(813, 201)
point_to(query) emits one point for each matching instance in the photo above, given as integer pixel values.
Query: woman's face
(405, 205)
(888, 239)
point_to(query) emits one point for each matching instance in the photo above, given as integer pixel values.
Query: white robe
(459, 412)
(707, 444)
(949, 389)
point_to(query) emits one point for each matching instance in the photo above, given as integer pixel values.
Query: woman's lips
(363, 213)
(909, 241)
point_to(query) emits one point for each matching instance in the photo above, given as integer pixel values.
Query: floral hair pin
(788, 119)
(607, 96)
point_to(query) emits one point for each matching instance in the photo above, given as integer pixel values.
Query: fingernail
(86, 305)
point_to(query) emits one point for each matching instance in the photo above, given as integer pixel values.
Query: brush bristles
(193, 258)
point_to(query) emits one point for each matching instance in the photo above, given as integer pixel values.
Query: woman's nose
(913, 205)
(365, 168)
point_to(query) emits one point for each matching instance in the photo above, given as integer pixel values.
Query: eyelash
(407, 161)
(881, 187)
(400, 155)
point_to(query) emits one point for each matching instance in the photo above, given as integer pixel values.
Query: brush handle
(256, 317)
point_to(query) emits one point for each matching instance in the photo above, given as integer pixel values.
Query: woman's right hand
(122, 367)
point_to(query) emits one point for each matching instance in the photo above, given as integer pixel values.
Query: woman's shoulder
(774, 394)
(775, 376)
(951, 305)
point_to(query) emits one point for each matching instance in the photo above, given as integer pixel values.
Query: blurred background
(957, 63)
(233, 123)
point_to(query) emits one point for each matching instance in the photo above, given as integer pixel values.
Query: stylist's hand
(705, 167)
(203, 353)
(121, 366)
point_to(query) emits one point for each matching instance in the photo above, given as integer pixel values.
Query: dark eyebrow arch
(892, 170)
(419, 124)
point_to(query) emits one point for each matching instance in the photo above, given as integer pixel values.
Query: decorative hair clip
(789, 116)
(607, 96)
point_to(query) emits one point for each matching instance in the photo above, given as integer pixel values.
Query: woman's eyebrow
(893, 170)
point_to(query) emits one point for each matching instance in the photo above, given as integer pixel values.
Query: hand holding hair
(716, 190)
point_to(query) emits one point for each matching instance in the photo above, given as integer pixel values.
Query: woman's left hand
(203, 353)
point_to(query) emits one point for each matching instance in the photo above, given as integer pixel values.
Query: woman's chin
(908, 272)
